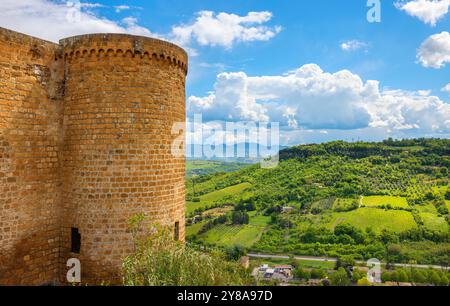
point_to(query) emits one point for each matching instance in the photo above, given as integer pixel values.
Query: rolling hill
(365, 200)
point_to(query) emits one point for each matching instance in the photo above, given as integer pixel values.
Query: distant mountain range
(242, 152)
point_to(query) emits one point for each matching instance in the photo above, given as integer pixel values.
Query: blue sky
(361, 80)
(312, 33)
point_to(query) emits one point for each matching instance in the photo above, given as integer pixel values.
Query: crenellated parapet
(86, 144)
(122, 45)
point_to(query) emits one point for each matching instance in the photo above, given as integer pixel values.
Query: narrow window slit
(176, 235)
(76, 241)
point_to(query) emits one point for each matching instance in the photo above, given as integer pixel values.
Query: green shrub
(444, 281)
(434, 278)
(358, 275)
(419, 277)
(340, 278)
(386, 276)
(158, 260)
(402, 276)
(240, 217)
(235, 252)
(318, 274)
(302, 274)
(346, 261)
(364, 282)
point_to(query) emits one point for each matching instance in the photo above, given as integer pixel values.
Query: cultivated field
(209, 199)
(243, 235)
(433, 222)
(203, 167)
(375, 201)
(377, 219)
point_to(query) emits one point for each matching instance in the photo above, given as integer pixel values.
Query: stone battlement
(123, 45)
(85, 144)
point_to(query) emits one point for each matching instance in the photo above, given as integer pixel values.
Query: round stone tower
(123, 96)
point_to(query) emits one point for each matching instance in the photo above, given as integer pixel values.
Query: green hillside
(205, 167)
(380, 200)
(376, 219)
(376, 201)
(209, 199)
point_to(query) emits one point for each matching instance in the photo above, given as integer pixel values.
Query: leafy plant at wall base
(158, 260)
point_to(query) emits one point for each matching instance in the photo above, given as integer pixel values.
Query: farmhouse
(286, 270)
(287, 209)
(281, 272)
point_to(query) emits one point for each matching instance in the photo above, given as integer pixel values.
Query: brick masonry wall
(29, 141)
(85, 142)
(123, 95)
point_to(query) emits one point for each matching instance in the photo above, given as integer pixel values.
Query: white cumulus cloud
(91, 5)
(120, 8)
(428, 11)
(353, 45)
(133, 28)
(52, 21)
(402, 110)
(223, 29)
(309, 98)
(435, 51)
(446, 88)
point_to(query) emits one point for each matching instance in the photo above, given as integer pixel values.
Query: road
(324, 259)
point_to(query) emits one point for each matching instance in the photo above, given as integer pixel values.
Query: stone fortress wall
(85, 144)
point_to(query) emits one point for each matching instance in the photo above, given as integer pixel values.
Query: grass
(194, 229)
(308, 264)
(374, 201)
(428, 250)
(313, 264)
(191, 206)
(227, 235)
(260, 220)
(203, 167)
(440, 189)
(269, 261)
(448, 204)
(219, 194)
(377, 219)
(429, 208)
(243, 235)
(433, 222)
(342, 203)
(209, 199)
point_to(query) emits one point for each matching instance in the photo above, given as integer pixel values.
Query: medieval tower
(86, 143)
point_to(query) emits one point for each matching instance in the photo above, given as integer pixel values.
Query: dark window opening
(176, 235)
(76, 241)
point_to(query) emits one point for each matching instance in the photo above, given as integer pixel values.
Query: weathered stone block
(85, 134)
